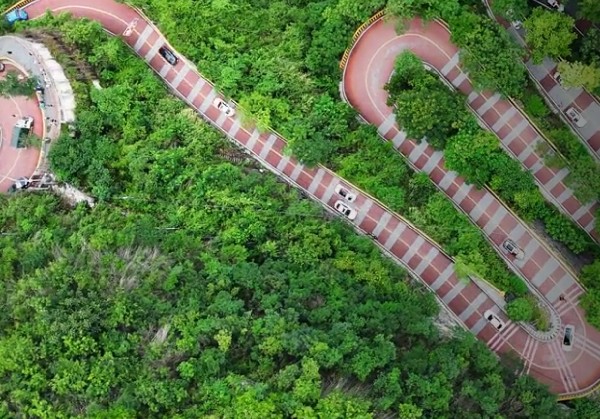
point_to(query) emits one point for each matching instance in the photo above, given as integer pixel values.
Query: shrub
(520, 309)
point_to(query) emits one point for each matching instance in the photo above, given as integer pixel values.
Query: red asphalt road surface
(17, 162)
(564, 372)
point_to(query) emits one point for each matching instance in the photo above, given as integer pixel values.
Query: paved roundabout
(369, 66)
(17, 162)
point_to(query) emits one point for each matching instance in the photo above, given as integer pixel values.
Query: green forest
(200, 285)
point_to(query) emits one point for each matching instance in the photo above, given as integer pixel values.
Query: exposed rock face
(446, 323)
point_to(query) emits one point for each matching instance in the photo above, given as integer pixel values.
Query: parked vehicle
(21, 183)
(555, 4)
(567, 343)
(16, 15)
(494, 320)
(512, 248)
(39, 94)
(21, 129)
(344, 209)
(576, 117)
(168, 55)
(345, 193)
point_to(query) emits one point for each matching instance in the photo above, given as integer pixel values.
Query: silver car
(576, 117)
(512, 248)
(223, 107)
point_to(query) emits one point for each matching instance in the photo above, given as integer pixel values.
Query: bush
(12, 85)
(564, 230)
(520, 310)
(535, 106)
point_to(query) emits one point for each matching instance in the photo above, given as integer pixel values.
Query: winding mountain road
(518, 136)
(370, 64)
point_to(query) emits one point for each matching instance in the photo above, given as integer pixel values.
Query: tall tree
(549, 34)
(473, 155)
(424, 105)
(511, 9)
(578, 74)
(490, 56)
(589, 9)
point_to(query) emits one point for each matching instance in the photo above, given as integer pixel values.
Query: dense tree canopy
(549, 34)
(489, 54)
(589, 9)
(424, 107)
(578, 74)
(201, 287)
(473, 154)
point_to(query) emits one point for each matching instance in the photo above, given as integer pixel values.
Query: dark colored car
(20, 184)
(568, 337)
(168, 55)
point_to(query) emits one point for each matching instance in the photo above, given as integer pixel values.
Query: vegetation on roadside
(204, 288)
(471, 151)
(584, 170)
(198, 287)
(487, 53)
(549, 34)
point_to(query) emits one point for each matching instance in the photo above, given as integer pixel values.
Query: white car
(345, 193)
(567, 343)
(344, 209)
(223, 107)
(517, 24)
(576, 117)
(494, 320)
(556, 76)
